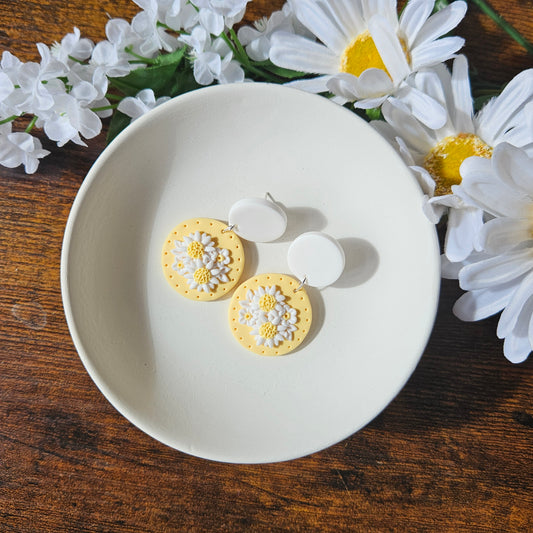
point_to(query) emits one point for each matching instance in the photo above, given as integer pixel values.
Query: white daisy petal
(464, 104)
(412, 131)
(389, 48)
(489, 192)
(298, 53)
(348, 15)
(413, 18)
(477, 305)
(516, 349)
(500, 235)
(513, 167)
(424, 108)
(496, 270)
(313, 85)
(511, 312)
(463, 228)
(441, 23)
(312, 16)
(435, 52)
(492, 119)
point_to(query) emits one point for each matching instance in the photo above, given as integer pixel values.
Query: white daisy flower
(268, 334)
(501, 277)
(288, 318)
(267, 299)
(435, 155)
(195, 246)
(205, 275)
(366, 53)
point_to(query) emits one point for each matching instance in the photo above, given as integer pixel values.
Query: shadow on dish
(362, 262)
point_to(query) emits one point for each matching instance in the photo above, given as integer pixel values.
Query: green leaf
(117, 124)
(155, 78)
(170, 59)
(281, 72)
(374, 113)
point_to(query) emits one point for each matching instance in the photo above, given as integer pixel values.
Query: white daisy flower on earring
(195, 246)
(501, 277)
(366, 52)
(268, 334)
(205, 274)
(435, 155)
(267, 299)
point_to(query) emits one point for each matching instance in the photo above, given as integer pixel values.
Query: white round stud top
(257, 219)
(317, 258)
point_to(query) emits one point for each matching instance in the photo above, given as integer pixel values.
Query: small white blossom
(216, 15)
(72, 46)
(19, 148)
(154, 37)
(143, 102)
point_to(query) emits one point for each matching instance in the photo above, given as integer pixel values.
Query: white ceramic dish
(171, 365)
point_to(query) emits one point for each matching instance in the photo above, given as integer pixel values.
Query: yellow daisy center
(202, 275)
(286, 316)
(195, 250)
(220, 258)
(362, 54)
(445, 158)
(268, 330)
(267, 302)
(248, 316)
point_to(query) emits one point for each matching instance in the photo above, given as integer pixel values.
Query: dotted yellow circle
(221, 239)
(298, 300)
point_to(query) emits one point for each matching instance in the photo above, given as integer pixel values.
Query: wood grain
(452, 452)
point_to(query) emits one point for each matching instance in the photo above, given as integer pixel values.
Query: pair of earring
(269, 314)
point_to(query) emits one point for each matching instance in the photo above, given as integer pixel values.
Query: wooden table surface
(453, 451)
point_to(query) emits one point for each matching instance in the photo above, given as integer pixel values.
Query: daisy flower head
(435, 154)
(500, 276)
(267, 299)
(365, 52)
(195, 246)
(204, 274)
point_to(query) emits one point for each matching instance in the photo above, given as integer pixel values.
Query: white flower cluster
(66, 93)
(202, 263)
(270, 318)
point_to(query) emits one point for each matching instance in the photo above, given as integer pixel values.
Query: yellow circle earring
(203, 258)
(271, 314)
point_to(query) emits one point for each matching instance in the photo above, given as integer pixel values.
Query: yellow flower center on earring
(267, 302)
(195, 250)
(445, 158)
(268, 330)
(362, 54)
(247, 316)
(202, 275)
(286, 316)
(220, 258)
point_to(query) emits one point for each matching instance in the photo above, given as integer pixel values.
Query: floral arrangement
(472, 157)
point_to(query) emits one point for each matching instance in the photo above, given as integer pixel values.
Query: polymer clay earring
(203, 258)
(271, 314)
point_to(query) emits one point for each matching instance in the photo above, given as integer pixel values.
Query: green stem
(238, 44)
(104, 108)
(9, 119)
(31, 124)
(504, 25)
(142, 59)
(114, 97)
